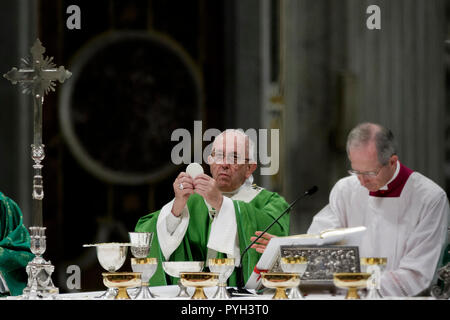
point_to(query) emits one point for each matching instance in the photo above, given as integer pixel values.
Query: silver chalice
(140, 248)
(175, 268)
(224, 267)
(297, 265)
(140, 243)
(374, 266)
(111, 256)
(147, 268)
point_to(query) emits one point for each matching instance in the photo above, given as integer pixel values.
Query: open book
(342, 236)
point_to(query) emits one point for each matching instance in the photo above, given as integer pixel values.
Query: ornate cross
(37, 77)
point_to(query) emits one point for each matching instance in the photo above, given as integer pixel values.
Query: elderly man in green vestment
(215, 216)
(14, 248)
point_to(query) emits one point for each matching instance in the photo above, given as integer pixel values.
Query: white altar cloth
(170, 292)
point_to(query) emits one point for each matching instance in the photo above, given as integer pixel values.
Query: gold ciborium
(352, 281)
(122, 281)
(199, 280)
(297, 264)
(280, 281)
(374, 266)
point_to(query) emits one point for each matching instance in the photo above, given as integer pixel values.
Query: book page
(343, 236)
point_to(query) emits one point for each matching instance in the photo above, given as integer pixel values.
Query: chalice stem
(373, 293)
(352, 293)
(222, 292)
(108, 294)
(144, 292)
(183, 290)
(199, 293)
(295, 293)
(123, 294)
(280, 293)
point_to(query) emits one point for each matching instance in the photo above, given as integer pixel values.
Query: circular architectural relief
(129, 91)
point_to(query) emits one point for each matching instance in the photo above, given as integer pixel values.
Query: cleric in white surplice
(406, 214)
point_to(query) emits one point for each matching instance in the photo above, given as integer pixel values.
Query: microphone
(240, 276)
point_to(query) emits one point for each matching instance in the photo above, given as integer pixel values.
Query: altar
(170, 293)
(255, 306)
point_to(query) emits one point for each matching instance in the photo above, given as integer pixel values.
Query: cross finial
(37, 50)
(38, 76)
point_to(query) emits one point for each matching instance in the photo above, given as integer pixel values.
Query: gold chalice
(121, 281)
(280, 281)
(174, 268)
(224, 267)
(352, 281)
(199, 280)
(374, 266)
(297, 265)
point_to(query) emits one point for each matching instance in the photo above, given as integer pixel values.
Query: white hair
(248, 140)
(383, 138)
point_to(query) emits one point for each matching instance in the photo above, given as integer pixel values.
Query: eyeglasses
(231, 158)
(371, 174)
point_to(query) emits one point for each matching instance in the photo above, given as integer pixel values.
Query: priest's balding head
(372, 152)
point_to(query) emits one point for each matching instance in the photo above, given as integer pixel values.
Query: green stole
(14, 246)
(251, 216)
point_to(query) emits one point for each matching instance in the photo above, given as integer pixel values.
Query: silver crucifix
(37, 77)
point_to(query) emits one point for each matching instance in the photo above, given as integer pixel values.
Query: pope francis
(215, 216)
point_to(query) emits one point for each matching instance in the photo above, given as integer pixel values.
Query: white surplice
(407, 225)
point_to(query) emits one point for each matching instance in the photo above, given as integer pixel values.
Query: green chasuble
(14, 246)
(251, 216)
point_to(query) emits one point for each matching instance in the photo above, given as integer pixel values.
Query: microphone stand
(239, 274)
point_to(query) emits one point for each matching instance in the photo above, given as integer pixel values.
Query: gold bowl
(221, 262)
(122, 281)
(144, 260)
(294, 264)
(199, 280)
(373, 261)
(351, 281)
(280, 281)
